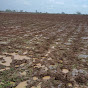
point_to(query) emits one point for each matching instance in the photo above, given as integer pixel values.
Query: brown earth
(43, 51)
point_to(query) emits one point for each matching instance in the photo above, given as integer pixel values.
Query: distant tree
(58, 13)
(36, 11)
(40, 12)
(8, 10)
(21, 10)
(63, 13)
(14, 11)
(78, 13)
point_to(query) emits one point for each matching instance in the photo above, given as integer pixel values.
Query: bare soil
(43, 51)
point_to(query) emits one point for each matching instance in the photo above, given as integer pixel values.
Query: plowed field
(43, 51)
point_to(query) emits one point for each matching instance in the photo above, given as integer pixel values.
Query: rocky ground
(43, 51)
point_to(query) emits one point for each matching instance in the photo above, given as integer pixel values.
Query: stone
(23, 73)
(22, 85)
(35, 78)
(46, 77)
(65, 71)
(74, 72)
(69, 84)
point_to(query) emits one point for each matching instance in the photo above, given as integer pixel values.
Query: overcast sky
(52, 6)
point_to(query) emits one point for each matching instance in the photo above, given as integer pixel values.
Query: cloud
(57, 2)
(50, 7)
(26, 3)
(85, 6)
(60, 3)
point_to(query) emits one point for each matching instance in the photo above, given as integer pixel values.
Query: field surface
(43, 51)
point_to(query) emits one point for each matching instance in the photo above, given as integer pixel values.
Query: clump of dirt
(18, 62)
(81, 79)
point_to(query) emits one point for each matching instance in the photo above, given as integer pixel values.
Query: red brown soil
(53, 39)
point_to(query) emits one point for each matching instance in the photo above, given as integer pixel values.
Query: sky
(51, 6)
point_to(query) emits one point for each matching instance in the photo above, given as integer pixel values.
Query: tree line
(8, 10)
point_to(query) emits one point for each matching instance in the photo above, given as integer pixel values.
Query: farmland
(43, 51)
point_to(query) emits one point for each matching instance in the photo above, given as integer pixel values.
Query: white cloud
(52, 0)
(26, 3)
(51, 7)
(85, 6)
(57, 2)
(60, 3)
(23, 2)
